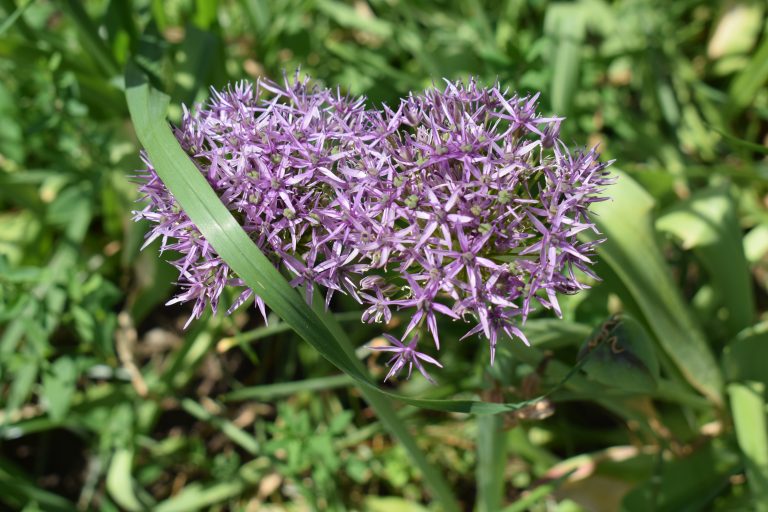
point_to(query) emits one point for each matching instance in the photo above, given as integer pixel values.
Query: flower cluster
(461, 202)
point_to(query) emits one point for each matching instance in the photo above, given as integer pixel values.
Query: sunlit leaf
(120, 483)
(59, 387)
(708, 224)
(748, 405)
(633, 254)
(566, 24)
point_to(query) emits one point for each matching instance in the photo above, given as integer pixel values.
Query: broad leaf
(632, 252)
(690, 483)
(59, 387)
(621, 355)
(708, 224)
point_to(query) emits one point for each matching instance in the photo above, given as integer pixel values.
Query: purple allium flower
(406, 355)
(460, 203)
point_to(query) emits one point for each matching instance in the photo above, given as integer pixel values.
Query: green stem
(491, 459)
(14, 16)
(386, 414)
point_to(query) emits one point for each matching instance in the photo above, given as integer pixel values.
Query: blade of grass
(537, 494)
(229, 429)
(120, 483)
(96, 46)
(275, 328)
(349, 17)
(257, 12)
(491, 459)
(756, 243)
(565, 24)
(741, 143)
(748, 82)
(271, 391)
(748, 408)
(188, 358)
(205, 13)
(744, 357)
(17, 490)
(15, 15)
(197, 497)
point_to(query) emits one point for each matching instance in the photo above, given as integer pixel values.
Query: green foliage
(107, 404)
(620, 354)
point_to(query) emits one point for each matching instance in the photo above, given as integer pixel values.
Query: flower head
(461, 202)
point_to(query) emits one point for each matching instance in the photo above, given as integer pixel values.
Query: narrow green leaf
(748, 82)
(707, 222)
(743, 144)
(272, 391)
(276, 328)
(736, 29)
(632, 253)
(748, 408)
(229, 429)
(566, 25)
(18, 489)
(15, 15)
(186, 360)
(491, 461)
(391, 503)
(537, 494)
(349, 17)
(21, 388)
(196, 496)
(96, 46)
(205, 13)
(258, 14)
(120, 484)
(159, 15)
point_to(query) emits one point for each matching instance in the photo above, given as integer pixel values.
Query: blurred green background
(108, 404)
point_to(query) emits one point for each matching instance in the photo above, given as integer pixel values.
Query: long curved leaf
(707, 223)
(632, 252)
